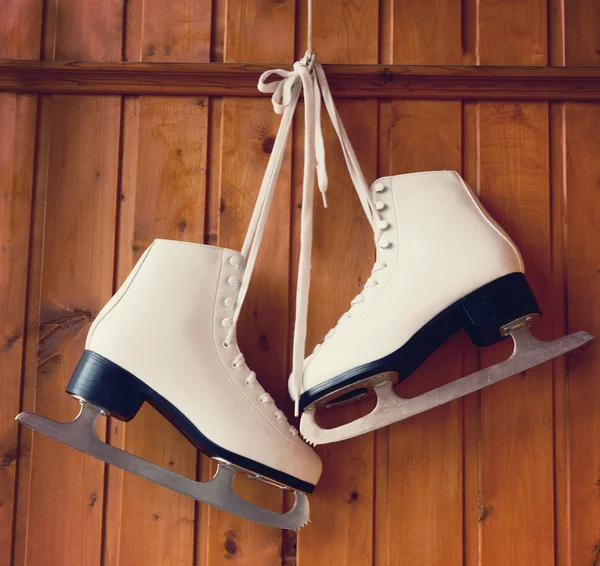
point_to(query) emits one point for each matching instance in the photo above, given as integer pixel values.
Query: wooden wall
(506, 477)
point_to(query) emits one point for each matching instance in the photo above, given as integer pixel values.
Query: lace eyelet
(380, 205)
(248, 383)
(235, 366)
(379, 187)
(228, 303)
(234, 261)
(278, 416)
(226, 323)
(233, 282)
(226, 345)
(383, 225)
(384, 244)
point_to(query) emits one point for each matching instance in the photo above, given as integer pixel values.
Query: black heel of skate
(496, 304)
(107, 385)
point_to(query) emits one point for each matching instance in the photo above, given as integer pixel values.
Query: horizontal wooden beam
(349, 81)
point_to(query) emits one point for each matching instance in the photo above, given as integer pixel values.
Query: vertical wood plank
(582, 180)
(163, 194)
(473, 508)
(428, 32)
(517, 433)
(179, 31)
(341, 528)
(517, 449)
(32, 327)
(65, 522)
(513, 32)
(342, 32)
(255, 31)
(558, 195)
(582, 22)
(20, 36)
(17, 116)
(343, 255)
(424, 498)
(60, 516)
(583, 312)
(259, 31)
(250, 127)
(91, 30)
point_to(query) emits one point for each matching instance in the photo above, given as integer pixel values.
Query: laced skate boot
(163, 339)
(168, 338)
(442, 265)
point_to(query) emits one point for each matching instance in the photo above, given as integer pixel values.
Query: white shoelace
(308, 76)
(360, 298)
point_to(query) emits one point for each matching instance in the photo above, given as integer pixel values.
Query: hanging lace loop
(285, 87)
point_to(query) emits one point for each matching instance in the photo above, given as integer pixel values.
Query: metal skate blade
(218, 491)
(528, 352)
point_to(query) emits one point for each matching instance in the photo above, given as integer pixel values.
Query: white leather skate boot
(168, 338)
(163, 339)
(442, 264)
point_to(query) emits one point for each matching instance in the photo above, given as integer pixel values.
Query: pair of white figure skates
(168, 338)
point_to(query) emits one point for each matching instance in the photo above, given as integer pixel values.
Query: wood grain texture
(176, 31)
(346, 81)
(427, 32)
(517, 424)
(65, 521)
(343, 32)
(423, 494)
(342, 506)
(558, 190)
(20, 29)
(83, 30)
(32, 332)
(583, 298)
(20, 36)
(259, 30)
(342, 259)
(250, 127)
(507, 476)
(473, 509)
(162, 195)
(513, 32)
(18, 118)
(61, 491)
(163, 191)
(582, 22)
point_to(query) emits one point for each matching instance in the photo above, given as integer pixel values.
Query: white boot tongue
(308, 76)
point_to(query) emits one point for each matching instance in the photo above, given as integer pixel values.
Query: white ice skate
(168, 338)
(163, 339)
(442, 265)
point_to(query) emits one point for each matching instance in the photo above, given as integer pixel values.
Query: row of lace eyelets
(383, 224)
(229, 302)
(372, 281)
(264, 397)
